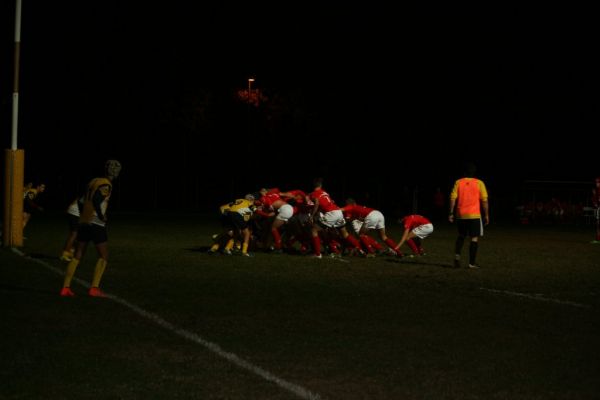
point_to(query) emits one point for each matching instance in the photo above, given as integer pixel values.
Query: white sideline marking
(538, 297)
(215, 348)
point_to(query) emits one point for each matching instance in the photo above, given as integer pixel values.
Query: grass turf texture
(377, 328)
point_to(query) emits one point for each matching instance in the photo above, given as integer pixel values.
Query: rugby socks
(316, 245)
(334, 246)
(276, 238)
(98, 272)
(390, 243)
(473, 252)
(71, 267)
(460, 240)
(365, 240)
(352, 240)
(413, 246)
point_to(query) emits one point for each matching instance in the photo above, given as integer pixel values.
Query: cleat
(335, 255)
(370, 255)
(66, 292)
(96, 292)
(65, 258)
(227, 252)
(212, 252)
(474, 266)
(358, 253)
(247, 255)
(316, 256)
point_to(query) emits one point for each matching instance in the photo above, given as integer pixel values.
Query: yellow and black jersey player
(92, 227)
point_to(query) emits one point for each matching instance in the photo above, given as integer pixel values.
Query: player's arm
(404, 238)
(451, 212)
(99, 196)
(484, 202)
(315, 209)
(486, 211)
(453, 197)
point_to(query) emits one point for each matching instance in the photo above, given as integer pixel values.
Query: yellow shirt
(241, 206)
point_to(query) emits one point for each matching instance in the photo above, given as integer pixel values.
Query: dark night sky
(426, 86)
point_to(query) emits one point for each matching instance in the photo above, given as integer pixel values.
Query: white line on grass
(215, 348)
(538, 297)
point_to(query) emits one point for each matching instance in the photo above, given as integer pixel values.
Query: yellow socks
(98, 271)
(71, 267)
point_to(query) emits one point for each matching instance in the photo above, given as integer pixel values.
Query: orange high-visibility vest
(470, 192)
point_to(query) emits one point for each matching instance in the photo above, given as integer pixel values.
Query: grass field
(184, 325)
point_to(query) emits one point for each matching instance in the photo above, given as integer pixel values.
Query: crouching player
(416, 228)
(235, 217)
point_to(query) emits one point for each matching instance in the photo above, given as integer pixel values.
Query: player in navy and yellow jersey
(92, 227)
(235, 217)
(30, 205)
(470, 196)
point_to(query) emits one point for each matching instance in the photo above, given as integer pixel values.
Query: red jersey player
(416, 228)
(365, 219)
(326, 214)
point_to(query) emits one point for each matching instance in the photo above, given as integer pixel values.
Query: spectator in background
(438, 204)
(30, 204)
(469, 196)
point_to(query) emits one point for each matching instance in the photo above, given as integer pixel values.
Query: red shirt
(326, 204)
(410, 222)
(268, 199)
(299, 201)
(354, 211)
(298, 195)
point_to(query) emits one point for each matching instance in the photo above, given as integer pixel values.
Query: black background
(378, 100)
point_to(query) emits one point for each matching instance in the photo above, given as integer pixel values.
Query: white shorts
(356, 225)
(333, 219)
(73, 209)
(285, 212)
(374, 220)
(422, 231)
